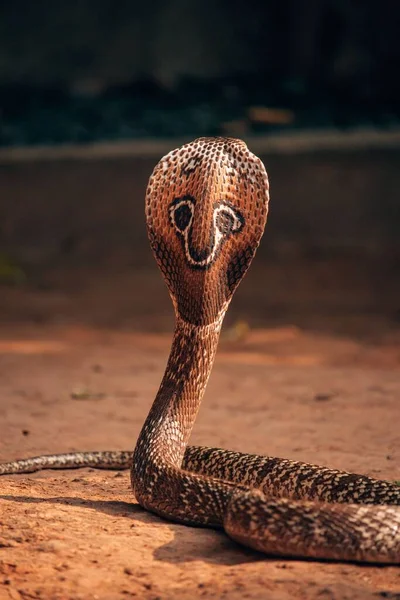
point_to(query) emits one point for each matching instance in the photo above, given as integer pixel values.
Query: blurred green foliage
(10, 272)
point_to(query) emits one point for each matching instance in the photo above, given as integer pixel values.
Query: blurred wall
(322, 204)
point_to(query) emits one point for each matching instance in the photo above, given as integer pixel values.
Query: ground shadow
(188, 543)
(212, 546)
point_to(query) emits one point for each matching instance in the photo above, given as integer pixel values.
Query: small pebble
(323, 397)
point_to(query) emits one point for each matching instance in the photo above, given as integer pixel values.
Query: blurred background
(93, 93)
(91, 70)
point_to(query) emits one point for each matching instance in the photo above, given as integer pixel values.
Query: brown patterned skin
(206, 208)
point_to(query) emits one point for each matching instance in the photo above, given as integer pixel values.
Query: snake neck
(167, 429)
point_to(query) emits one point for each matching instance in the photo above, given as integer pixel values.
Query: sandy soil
(79, 366)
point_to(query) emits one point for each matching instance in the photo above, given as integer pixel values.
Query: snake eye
(182, 214)
(228, 220)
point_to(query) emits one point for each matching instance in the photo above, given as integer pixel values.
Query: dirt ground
(81, 356)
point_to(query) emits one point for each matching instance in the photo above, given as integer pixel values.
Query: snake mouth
(226, 221)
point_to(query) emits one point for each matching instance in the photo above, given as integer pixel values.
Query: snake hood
(202, 198)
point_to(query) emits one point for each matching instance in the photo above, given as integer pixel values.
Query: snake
(206, 210)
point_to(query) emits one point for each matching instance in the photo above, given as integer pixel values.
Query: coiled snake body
(206, 208)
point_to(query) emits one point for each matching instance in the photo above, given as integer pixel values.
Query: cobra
(206, 209)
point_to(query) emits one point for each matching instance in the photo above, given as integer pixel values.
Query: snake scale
(206, 209)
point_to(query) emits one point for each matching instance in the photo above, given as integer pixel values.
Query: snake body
(206, 209)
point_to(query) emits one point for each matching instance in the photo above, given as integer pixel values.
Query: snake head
(206, 209)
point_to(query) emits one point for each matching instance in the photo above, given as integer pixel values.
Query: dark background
(80, 71)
